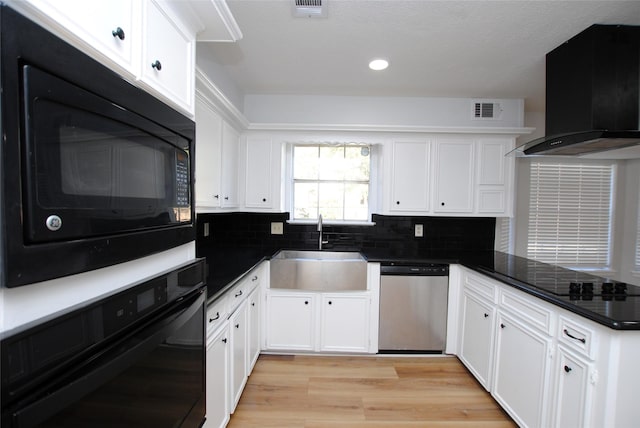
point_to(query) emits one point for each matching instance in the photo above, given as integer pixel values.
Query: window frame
(373, 181)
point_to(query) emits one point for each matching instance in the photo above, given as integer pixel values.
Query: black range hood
(592, 94)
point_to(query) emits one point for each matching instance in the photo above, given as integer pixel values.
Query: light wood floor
(358, 392)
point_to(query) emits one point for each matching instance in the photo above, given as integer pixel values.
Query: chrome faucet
(320, 241)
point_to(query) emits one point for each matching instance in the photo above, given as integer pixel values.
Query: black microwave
(95, 171)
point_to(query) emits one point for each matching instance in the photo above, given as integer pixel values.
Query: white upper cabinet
(449, 175)
(410, 164)
(453, 184)
(143, 41)
(168, 56)
(259, 166)
(208, 156)
(230, 142)
(109, 26)
(494, 176)
(216, 159)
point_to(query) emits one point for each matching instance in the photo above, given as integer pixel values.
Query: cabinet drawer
(216, 314)
(526, 309)
(237, 294)
(577, 336)
(481, 287)
(253, 279)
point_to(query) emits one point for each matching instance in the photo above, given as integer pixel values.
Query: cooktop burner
(587, 289)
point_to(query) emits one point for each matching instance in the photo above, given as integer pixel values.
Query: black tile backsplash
(252, 231)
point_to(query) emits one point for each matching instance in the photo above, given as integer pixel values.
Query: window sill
(332, 222)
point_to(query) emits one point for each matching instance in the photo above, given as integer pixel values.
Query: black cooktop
(561, 281)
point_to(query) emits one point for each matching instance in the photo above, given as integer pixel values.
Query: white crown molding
(390, 128)
(209, 93)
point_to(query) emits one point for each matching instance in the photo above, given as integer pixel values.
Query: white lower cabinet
(573, 390)
(233, 345)
(476, 337)
(551, 367)
(254, 313)
(290, 321)
(344, 323)
(315, 321)
(218, 378)
(239, 329)
(521, 371)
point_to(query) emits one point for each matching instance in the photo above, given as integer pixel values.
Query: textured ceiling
(489, 49)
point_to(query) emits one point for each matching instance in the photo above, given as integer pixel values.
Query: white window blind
(637, 263)
(503, 234)
(570, 214)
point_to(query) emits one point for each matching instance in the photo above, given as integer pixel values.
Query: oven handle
(109, 363)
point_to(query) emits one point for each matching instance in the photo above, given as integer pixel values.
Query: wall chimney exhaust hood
(593, 96)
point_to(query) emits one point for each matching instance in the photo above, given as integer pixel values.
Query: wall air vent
(484, 110)
(310, 8)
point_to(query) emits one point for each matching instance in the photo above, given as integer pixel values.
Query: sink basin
(318, 271)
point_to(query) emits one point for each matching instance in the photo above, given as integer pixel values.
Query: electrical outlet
(206, 230)
(277, 228)
(419, 231)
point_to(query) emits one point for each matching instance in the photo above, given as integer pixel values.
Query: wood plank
(369, 391)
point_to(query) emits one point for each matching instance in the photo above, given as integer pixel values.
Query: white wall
(377, 111)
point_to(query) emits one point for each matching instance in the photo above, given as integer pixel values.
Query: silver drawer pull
(581, 339)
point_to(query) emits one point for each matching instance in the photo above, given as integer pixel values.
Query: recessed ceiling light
(378, 64)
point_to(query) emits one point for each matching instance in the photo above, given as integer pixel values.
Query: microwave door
(98, 170)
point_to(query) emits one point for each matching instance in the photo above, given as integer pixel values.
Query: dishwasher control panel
(433, 269)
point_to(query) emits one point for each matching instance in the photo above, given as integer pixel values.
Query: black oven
(135, 359)
(94, 170)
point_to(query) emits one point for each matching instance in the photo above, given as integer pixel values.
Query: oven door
(94, 168)
(152, 376)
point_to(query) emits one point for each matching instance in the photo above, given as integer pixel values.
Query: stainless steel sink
(318, 271)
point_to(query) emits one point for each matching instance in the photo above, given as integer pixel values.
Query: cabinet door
(218, 379)
(238, 370)
(254, 328)
(168, 59)
(521, 371)
(230, 141)
(208, 156)
(572, 403)
(494, 174)
(258, 177)
(410, 176)
(476, 339)
(454, 166)
(345, 323)
(109, 26)
(290, 321)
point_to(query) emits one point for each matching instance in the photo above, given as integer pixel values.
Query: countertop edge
(522, 286)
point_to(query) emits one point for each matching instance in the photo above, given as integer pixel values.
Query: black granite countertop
(620, 311)
(545, 281)
(226, 267)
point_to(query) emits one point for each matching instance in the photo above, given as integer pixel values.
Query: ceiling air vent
(486, 110)
(310, 8)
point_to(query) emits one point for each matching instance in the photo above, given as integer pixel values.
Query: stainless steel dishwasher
(413, 308)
